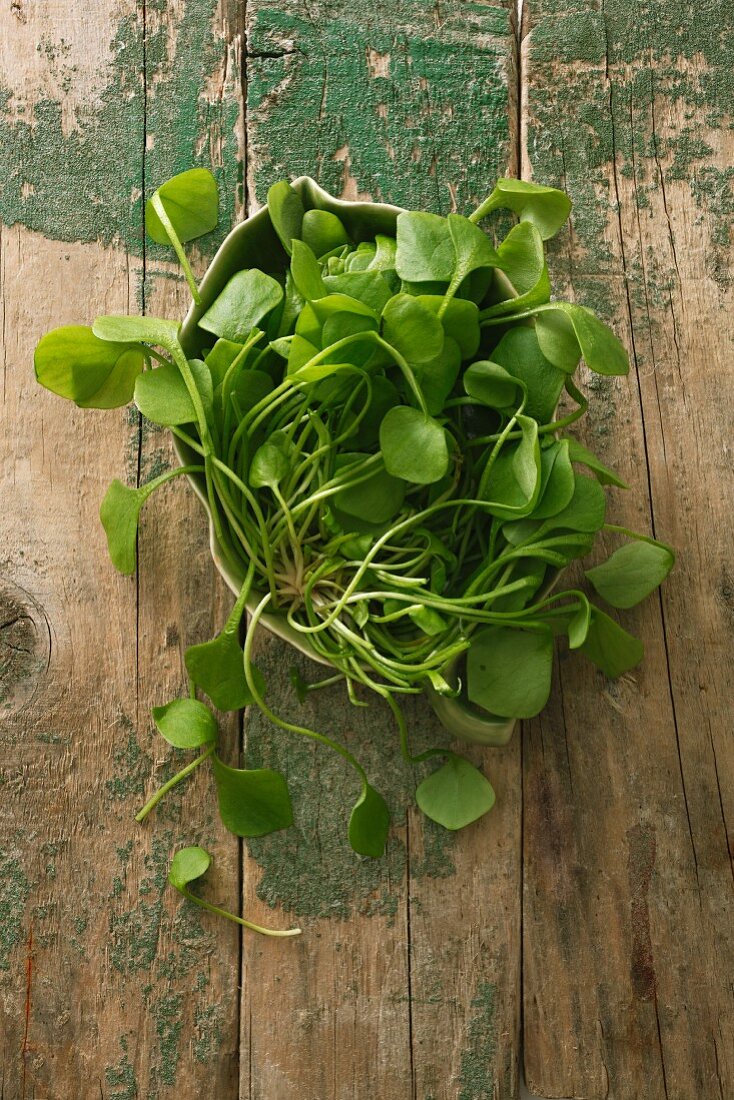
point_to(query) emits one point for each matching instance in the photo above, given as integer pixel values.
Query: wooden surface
(589, 918)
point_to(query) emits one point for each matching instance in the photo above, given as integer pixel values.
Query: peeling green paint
(135, 933)
(133, 767)
(121, 1077)
(165, 1012)
(86, 184)
(600, 80)
(14, 893)
(401, 100)
(477, 1072)
(208, 1031)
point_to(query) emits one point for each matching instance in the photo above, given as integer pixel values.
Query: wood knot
(25, 648)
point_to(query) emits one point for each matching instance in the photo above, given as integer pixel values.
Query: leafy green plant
(374, 423)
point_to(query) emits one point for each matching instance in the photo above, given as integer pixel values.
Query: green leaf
(436, 378)
(306, 272)
(252, 802)
(217, 668)
(286, 212)
(428, 620)
(119, 513)
(187, 865)
(74, 363)
(413, 446)
(220, 359)
(519, 353)
(557, 481)
(191, 201)
(134, 330)
(322, 232)
(186, 723)
(251, 387)
(456, 794)
(366, 286)
(377, 499)
(522, 258)
(604, 475)
(272, 461)
(460, 320)
(162, 397)
(584, 512)
(385, 256)
(509, 670)
(384, 396)
(425, 250)
(579, 624)
(546, 207)
(246, 300)
(567, 332)
(631, 573)
(472, 248)
(610, 647)
(514, 482)
(491, 384)
(411, 329)
(369, 823)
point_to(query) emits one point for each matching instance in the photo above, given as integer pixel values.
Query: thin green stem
(157, 204)
(238, 920)
(163, 791)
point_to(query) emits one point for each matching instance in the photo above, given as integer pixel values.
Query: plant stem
(162, 791)
(238, 920)
(167, 224)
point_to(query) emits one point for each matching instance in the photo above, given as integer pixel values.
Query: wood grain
(110, 987)
(627, 788)
(411, 987)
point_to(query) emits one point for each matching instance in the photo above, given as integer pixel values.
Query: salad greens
(374, 423)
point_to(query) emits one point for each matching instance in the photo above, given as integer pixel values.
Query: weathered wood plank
(406, 982)
(628, 787)
(110, 987)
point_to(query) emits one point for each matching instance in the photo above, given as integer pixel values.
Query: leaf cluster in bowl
(373, 421)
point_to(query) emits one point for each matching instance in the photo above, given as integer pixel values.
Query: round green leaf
(376, 499)
(191, 201)
(425, 251)
(74, 363)
(252, 802)
(216, 667)
(610, 647)
(162, 396)
(306, 272)
(631, 573)
(412, 329)
(271, 462)
(509, 670)
(546, 207)
(369, 823)
(186, 723)
(144, 330)
(322, 231)
(187, 865)
(491, 384)
(456, 794)
(246, 300)
(119, 513)
(413, 446)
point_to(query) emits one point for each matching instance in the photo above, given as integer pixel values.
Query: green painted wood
(408, 973)
(629, 789)
(109, 985)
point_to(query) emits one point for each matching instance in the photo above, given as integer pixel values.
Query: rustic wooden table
(591, 913)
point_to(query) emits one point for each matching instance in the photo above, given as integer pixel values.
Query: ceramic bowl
(254, 243)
